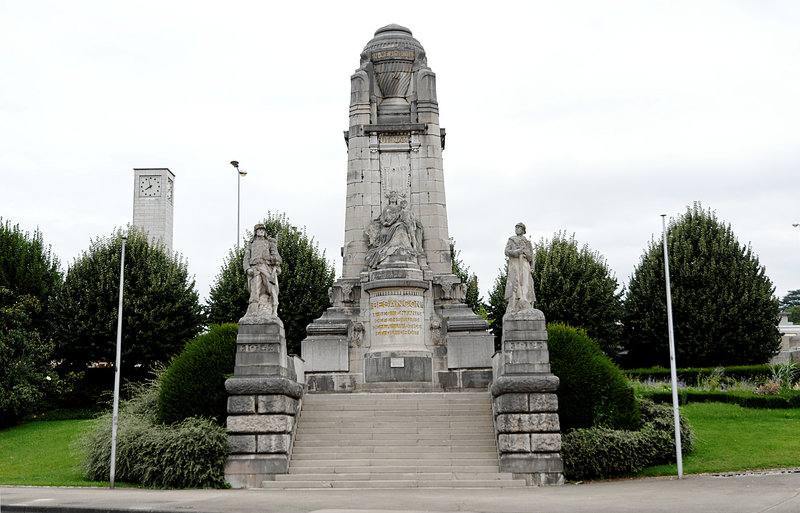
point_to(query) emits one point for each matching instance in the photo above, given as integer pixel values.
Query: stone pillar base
(525, 404)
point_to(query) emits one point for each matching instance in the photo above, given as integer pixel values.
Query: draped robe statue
(519, 284)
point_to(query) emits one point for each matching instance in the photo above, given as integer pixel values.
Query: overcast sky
(584, 116)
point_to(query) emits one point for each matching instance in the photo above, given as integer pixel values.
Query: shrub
(593, 391)
(769, 388)
(189, 454)
(194, 383)
(786, 399)
(694, 375)
(601, 452)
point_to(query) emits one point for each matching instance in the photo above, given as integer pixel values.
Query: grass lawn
(40, 453)
(731, 438)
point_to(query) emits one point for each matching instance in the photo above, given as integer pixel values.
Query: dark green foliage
(794, 314)
(26, 372)
(786, 399)
(691, 376)
(470, 280)
(194, 383)
(305, 279)
(573, 285)
(601, 452)
(593, 391)
(27, 267)
(160, 310)
(496, 307)
(723, 306)
(792, 298)
(189, 454)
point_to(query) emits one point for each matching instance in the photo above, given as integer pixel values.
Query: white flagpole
(115, 414)
(672, 366)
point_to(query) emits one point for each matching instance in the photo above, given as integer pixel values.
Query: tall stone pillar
(398, 311)
(524, 389)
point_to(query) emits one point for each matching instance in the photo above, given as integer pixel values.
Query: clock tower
(153, 197)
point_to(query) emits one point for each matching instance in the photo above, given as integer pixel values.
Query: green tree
(470, 280)
(28, 267)
(161, 310)
(496, 307)
(306, 276)
(724, 310)
(573, 286)
(26, 372)
(792, 298)
(794, 314)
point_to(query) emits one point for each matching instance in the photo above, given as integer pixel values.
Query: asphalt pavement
(761, 492)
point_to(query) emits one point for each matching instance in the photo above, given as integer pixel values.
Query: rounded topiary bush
(194, 383)
(593, 391)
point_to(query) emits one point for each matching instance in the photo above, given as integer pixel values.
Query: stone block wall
(262, 420)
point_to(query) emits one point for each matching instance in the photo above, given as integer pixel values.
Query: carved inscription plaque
(397, 317)
(257, 348)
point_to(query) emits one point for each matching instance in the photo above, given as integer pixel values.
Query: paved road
(754, 493)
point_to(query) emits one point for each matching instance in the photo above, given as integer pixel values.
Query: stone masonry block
(543, 403)
(275, 443)
(512, 403)
(238, 404)
(260, 423)
(242, 444)
(277, 404)
(525, 422)
(531, 463)
(544, 442)
(514, 443)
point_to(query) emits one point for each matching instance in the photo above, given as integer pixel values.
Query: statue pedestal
(264, 399)
(525, 403)
(396, 328)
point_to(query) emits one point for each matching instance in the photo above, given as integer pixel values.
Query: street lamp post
(241, 173)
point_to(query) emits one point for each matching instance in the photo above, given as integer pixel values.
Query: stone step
(375, 469)
(397, 483)
(422, 447)
(393, 462)
(385, 476)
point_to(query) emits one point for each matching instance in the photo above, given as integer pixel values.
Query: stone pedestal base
(264, 400)
(525, 404)
(397, 366)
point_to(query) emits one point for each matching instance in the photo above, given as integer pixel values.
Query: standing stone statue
(262, 265)
(519, 285)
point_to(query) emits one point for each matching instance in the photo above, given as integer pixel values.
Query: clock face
(150, 186)
(169, 189)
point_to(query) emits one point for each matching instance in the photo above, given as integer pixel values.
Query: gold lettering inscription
(393, 138)
(387, 54)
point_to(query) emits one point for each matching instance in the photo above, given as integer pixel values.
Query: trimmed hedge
(189, 454)
(194, 383)
(691, 375)
(601, 452)
(787, 399)
(593, 391)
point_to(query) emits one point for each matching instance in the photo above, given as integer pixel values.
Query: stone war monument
(525, 404)
(264, 393)
(398, 319)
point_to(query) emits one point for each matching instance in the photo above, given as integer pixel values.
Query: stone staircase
(395, 440)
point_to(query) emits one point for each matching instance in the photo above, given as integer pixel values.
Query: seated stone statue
(519, 284)
(396, 233)
(262, 266)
